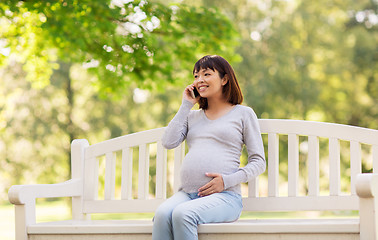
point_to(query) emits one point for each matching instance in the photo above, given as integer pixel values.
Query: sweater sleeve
(177, 129)
(255, 148)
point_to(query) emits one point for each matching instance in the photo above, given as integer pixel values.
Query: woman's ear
(225, 79)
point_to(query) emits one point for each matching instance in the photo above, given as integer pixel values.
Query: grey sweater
(215, 146)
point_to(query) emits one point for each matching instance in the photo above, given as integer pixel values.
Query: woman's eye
(207, 74)
(195, 76)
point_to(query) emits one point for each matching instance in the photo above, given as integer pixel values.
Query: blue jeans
(178, 217)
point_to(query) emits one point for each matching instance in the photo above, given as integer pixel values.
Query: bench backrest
(112, 166)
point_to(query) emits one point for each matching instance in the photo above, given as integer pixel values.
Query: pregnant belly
(194, 168)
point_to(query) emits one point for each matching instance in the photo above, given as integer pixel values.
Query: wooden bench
(115, 157)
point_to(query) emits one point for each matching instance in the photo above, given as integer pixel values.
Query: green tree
(121, 41)
(83, 62)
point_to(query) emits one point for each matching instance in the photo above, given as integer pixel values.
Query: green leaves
(150, 44)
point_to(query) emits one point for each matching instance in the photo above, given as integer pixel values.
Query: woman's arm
(255, 148)
(177, 129)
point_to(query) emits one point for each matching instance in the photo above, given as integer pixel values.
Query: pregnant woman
(215, 134)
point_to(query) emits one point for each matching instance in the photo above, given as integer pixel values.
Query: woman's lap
(181, 213)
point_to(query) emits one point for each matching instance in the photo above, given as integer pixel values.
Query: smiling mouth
(201, 88)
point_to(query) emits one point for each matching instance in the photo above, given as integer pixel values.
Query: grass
(60, 210)
(47, 211)
(7, 222)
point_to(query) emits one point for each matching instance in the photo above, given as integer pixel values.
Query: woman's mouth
(202, 88)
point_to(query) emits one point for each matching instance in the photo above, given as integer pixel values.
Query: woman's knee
(183, 215)
(163, 214)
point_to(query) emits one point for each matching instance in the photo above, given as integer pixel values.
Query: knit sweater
(215, 146)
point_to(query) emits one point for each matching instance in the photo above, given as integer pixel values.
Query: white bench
(84, 188)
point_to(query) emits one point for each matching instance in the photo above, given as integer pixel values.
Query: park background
(101, 69)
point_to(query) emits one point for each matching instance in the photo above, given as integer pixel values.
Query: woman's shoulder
(195, 114)
(195, 111)
(246, 114)
(247, 111)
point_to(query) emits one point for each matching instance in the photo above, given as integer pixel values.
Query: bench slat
(313, 166)
(320, 129)
(161, 171)
(130, 140)
(273, 152)
(110, 175)
(260, 204)
(253, 187)
(240, 226)
(283, 226)
(144, 162)
(303, 203)
(127, 174)
(293, 165)
(374, 151)
(355, 164)
(334, 166)
(122, 206)
(91, 179)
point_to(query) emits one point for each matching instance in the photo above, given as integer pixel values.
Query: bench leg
(367, 190)
(368, 219)
(24, 216)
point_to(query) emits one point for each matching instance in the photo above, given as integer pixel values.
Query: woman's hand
(214, 186)
(188, 94)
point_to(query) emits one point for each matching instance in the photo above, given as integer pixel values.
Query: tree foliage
(121, 42)
(83, 62)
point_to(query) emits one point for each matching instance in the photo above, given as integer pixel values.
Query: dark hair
(231, 90)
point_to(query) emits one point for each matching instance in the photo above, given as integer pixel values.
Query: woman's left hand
(216, 185)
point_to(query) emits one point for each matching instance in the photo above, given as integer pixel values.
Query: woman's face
(208, 83)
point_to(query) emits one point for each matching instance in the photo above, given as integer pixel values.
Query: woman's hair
(231, 90)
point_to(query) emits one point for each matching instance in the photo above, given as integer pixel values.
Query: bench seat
(342, 225)
(142, 229)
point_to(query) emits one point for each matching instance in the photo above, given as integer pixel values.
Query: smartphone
(194, 93)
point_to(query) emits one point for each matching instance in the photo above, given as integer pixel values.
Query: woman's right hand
(187, 95)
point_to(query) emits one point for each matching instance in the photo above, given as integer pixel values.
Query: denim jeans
(178, 217)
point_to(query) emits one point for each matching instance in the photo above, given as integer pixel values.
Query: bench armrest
(367, 191)
(367, 185)
(22, 194)
(23, 197)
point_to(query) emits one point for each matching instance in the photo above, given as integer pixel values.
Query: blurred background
(100, 69)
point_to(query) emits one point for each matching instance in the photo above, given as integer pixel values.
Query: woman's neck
(217, 104)
(217, 109)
